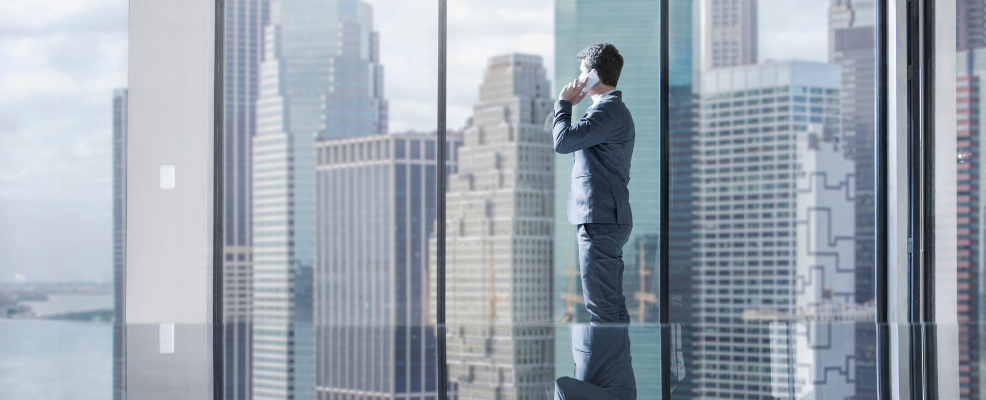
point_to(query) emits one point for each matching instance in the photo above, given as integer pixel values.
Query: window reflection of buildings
(774, 183)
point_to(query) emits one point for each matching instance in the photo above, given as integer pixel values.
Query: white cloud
(62, 60)
(477, 30)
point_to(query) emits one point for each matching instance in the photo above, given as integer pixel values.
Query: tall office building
(308, 52)
(499, 240)
(852, 46)
(119, 243)
(731, 33)
(375, 209)
(243, 48)
(970, 24)
(970, 71)
(633, 27)
(774, 264)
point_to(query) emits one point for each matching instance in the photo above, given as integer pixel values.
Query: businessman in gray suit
(599, 206)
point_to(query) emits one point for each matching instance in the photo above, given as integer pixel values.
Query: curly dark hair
(605, 59)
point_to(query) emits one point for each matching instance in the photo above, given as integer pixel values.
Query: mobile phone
(593, 80)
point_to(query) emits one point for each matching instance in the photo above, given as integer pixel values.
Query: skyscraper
(970, 24)
(774, 262)
(852, 46)
(499, 240)
(375, 209)
(731, 39)
(119, 243)
(309, 48)
(244, 22)
(970, 71)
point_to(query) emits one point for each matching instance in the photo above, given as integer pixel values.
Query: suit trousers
(601, 349)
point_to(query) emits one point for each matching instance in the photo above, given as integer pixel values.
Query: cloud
(62, 59)
(477, 30)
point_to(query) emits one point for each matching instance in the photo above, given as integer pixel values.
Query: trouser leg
(601, 349)
(601, 264)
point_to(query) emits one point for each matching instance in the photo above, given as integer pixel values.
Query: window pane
(326, 228)
(62, 194)
(516, 300)
(772, 237)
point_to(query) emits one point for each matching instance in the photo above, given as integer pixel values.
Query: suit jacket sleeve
(588, 132)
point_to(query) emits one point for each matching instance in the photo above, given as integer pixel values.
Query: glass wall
(62, 193)
(772, 198)
(514, 277)
(329, 255)
(330, 202)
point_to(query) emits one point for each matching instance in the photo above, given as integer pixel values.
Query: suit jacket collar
(608, 97)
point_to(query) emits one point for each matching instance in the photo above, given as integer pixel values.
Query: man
(599, 206)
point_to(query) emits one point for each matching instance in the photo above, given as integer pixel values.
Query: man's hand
(573, 91)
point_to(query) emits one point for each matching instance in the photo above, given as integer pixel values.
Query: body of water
(58, 304)
(55, 360)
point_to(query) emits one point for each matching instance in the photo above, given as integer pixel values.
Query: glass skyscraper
(244, 23)
(119, 242)
(310, 46)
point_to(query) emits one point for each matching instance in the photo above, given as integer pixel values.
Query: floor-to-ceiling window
(772, 246)
(62, 194)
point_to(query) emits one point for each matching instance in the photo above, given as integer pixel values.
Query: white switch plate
(167, 177)
(166, 338)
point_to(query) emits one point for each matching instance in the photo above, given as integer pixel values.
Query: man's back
(603, 145)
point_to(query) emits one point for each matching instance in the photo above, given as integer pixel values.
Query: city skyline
(297, 269)
(85, 152)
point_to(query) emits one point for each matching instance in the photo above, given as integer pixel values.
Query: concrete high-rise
(774, 264)
(119, 243)
(731, 33)
(310, 47)
(243, 48)
(499, 239)
(375, 210)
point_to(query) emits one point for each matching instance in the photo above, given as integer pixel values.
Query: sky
(61, 59)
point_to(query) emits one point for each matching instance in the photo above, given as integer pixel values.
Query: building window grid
(722, 258)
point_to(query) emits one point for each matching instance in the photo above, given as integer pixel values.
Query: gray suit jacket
(603, 144)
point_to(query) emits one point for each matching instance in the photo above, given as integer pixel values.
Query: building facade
(773, 260)
(499, 239)
(375, 210)
(970, 71)
(119, 243)
(852, 46)
(306, 45)
(731, 33)
(243, 49)
(970, 24)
